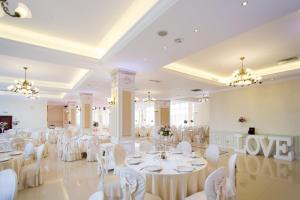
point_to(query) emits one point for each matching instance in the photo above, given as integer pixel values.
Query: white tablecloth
(170, 184)
(14, 163)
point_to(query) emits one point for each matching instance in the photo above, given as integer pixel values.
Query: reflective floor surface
(258, 178)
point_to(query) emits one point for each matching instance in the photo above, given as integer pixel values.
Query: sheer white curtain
(179, 112)
(105, 118)
(144, 114)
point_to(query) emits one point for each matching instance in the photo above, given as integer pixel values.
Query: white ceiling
(74, 20)
(264, 32)
(263, 46)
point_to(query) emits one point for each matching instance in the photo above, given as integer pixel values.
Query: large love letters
(256, 144)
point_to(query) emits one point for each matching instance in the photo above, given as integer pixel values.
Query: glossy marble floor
(258, 178)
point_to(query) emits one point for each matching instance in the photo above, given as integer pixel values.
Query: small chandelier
(204, 97)
(22, 11)
(24, 87)
(111, 101)
(243, 77)
(149, 98)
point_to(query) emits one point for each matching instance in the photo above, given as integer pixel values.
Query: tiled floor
(258, 178)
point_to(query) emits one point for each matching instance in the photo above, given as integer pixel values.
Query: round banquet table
(169, 183)
(15, 162)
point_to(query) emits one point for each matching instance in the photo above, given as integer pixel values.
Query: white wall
(270, 108)
(202, 113)
(30, 113)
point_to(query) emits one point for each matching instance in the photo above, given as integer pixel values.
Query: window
(144, 114)
(179, 112)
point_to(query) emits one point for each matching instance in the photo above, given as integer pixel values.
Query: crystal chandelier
(148, 98)
(22, 11)
(243, 77)
(24, 87)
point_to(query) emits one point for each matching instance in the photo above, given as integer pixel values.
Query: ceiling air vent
(288, 60)
(196, 90)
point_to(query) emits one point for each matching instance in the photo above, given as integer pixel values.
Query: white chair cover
(70, 149)
(97, 196)
(119, 155)
(212, 153)
(30, 175)
(145, 146)
(214, 187)
(185, 147)
(133, 185)
(29, 153)
(8, 184)
(92, 149)
(230, 182)
(109, 183)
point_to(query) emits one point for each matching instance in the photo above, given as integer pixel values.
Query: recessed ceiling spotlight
(244, 3)
(162, 33)
(196, 30)
(178, 40)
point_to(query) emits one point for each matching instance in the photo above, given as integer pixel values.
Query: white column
(86, 102)
(162, 113)
(122, 109)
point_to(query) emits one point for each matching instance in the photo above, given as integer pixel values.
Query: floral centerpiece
(165, 131)
(2, 126)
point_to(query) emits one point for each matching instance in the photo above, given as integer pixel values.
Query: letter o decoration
(250, 141)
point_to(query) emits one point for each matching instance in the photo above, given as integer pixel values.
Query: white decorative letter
(267, 147)
(283, 148)
(249, 146)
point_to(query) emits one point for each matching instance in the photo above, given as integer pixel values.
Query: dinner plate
(176, 152)
(137, 156)
(153, 152)
(5, 150)
(198, 162)
(15, 153)
(153, 168)
(3, 159)
(134, 161)
(184, 168)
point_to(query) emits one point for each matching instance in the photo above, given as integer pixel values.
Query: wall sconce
(111, 101)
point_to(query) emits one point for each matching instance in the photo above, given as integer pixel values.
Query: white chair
(97, 196)
(92, 149)
(29, 153)
(230, 181)
(184, 147)
(70, 150)
(145, 146)
(119, 155)
(8, 184)
(36, 138)
(109, 184)
(212, 154)
(133, 185)
(30, 175)
(214, 187)
(59, 145)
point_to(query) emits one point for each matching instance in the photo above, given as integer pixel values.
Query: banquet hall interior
(150, 99)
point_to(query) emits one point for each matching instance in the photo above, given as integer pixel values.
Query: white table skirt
(14, 163)
(170, 184)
